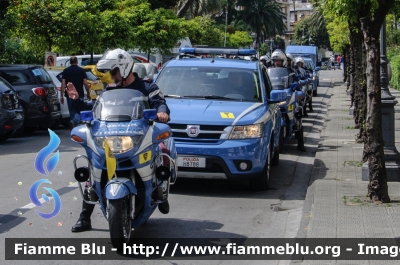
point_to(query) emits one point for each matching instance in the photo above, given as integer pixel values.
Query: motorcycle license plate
(191, 161)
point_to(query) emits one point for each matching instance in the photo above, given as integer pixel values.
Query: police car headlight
(118, 144)
(247, 132)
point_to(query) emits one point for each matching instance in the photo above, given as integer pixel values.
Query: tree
(160, 31)
(239, 39)
(65, 25)
(369, 15)
(203, 31)
(312, 35)
(338, 31)
(197, 7)
(264, 17)
(371, 21)
(40, 21)
(167, 4)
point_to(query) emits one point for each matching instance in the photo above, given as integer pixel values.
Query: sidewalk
(334, 206)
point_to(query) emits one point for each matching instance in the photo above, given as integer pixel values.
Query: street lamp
(386, 95)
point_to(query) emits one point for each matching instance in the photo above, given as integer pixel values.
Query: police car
(223, 115)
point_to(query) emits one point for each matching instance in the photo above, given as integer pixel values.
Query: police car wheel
(261, 183)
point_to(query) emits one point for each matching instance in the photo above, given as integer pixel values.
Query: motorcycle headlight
(119, 144)
(247, 132)
(282, 103)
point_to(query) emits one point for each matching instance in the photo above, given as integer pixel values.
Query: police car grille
(201, 135)
(202, 127)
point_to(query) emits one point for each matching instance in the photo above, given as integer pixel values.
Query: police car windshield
(217, 83)
(120, 105)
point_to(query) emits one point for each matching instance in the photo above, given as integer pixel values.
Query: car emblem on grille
(193, 130)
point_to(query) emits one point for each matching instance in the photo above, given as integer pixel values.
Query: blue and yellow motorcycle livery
(130, 160)
(291, 109)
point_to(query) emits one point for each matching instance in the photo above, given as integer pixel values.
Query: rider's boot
(83, 223)
(164, 207)
(310, 106)
(300, 140)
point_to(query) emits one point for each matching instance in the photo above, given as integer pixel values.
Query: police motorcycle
(305, 84)
(130, 160)
(291, 109)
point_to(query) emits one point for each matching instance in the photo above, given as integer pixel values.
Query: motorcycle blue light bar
(206, 50)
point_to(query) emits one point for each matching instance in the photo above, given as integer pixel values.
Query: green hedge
(395, 63)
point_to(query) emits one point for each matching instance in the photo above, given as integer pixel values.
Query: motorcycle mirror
(86, 116)
(294, 86)
(150, 114)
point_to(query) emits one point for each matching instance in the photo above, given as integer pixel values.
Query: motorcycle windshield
(120, 105)
(279, 78)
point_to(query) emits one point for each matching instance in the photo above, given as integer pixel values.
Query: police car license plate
(191, 161)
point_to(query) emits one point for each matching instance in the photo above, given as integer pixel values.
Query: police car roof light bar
(206, 50)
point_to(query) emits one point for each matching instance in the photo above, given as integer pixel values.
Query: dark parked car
(11, 112)
(37, 95)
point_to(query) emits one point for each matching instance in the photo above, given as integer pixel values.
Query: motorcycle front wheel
(119, 222)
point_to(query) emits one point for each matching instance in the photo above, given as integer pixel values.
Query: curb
(309, 200)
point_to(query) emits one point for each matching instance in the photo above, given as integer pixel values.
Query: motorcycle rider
(290, 62)
(279, 59)
(121, 66)
(266, 61)
(299, 67)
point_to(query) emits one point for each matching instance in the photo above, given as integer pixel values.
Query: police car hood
(213, 112)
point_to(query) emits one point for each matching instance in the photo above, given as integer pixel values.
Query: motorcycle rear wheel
(119, 222)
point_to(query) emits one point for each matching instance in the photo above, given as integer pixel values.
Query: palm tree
(264, 17)
(197, 7)
(317, 21)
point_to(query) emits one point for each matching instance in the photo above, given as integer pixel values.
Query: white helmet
(299, 60)
(266, 58)
(278, 55)
(289, 56)
(116, 59)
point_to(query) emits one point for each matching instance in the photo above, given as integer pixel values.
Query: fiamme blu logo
(45, 168)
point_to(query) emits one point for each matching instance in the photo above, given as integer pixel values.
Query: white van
(159, 58)
(83, 60)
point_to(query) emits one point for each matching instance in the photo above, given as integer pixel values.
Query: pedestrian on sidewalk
(77, 76)
(342, 63)
(332, 62)
(338, 60)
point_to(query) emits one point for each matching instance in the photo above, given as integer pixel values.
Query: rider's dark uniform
(148, 89)
(156, 101)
